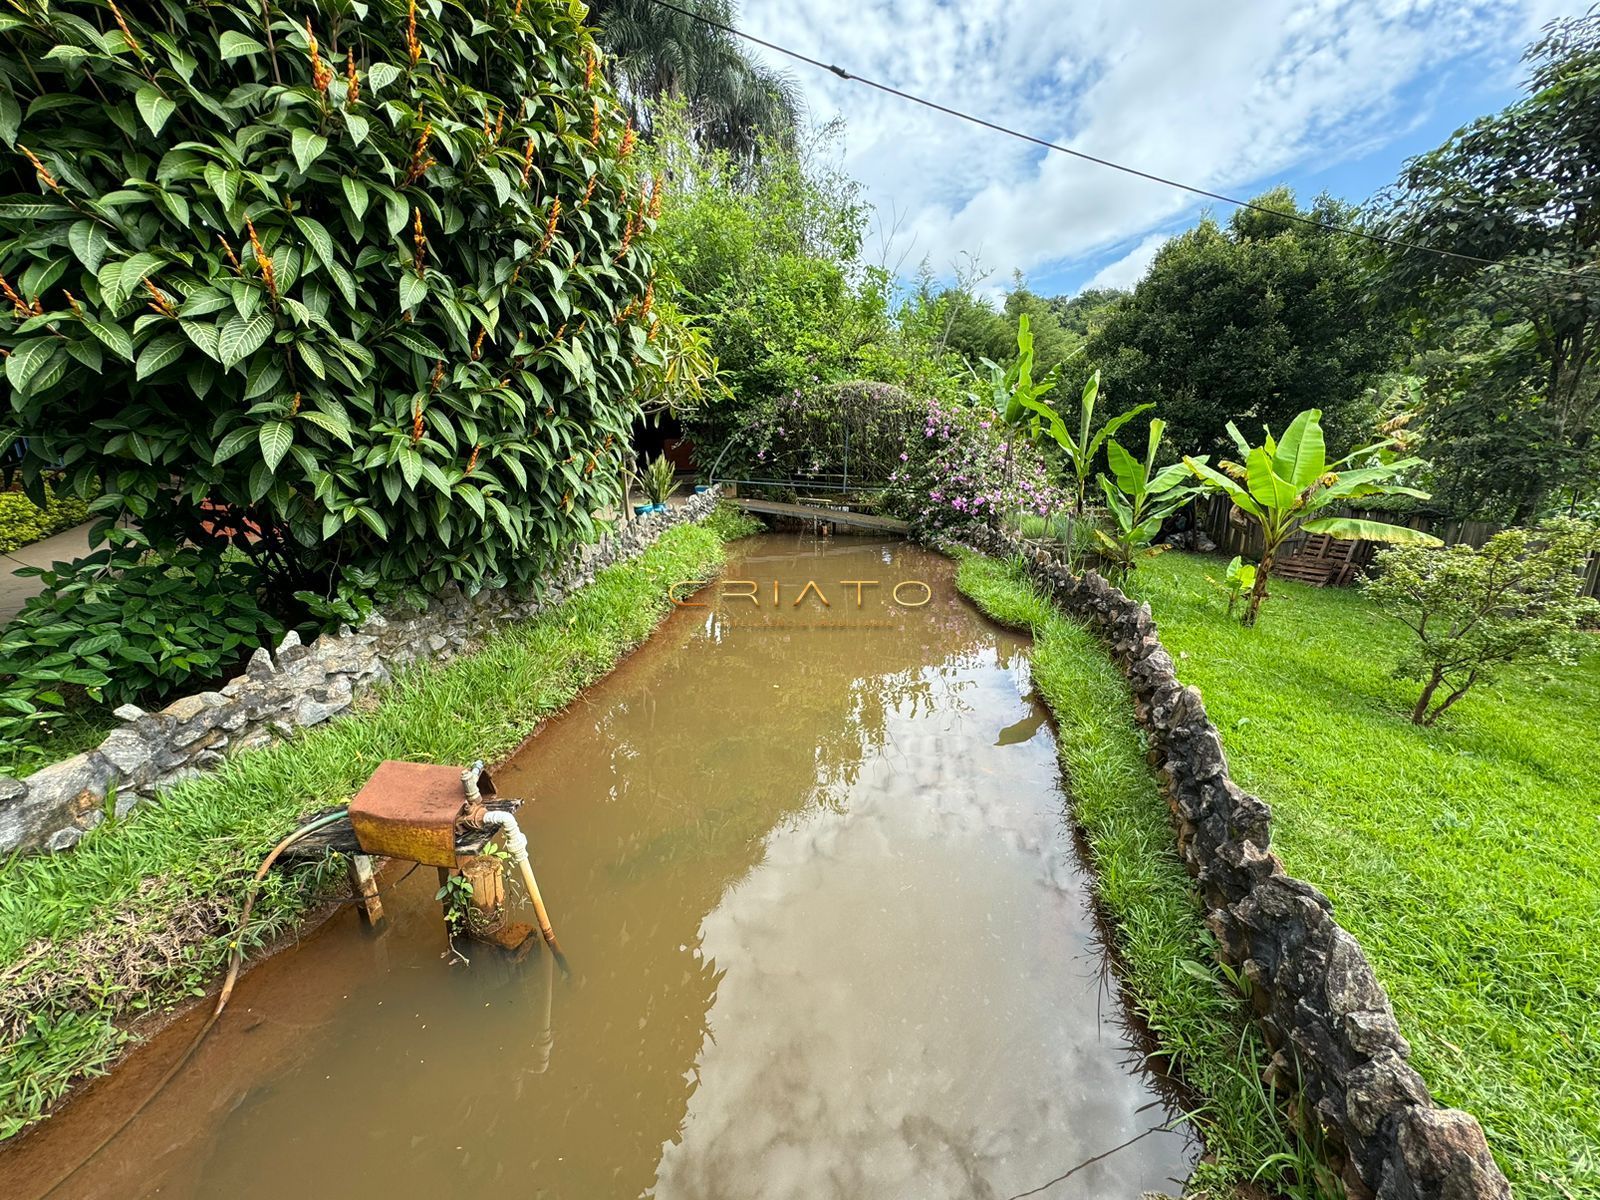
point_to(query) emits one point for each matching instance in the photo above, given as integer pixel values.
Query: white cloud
(1130, 268)
(1212, 92)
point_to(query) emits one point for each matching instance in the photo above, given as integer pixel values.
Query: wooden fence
(1233, 538)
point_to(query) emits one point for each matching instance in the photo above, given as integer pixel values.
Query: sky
(1234, 96)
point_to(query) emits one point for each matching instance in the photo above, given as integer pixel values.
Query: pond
(829, 931)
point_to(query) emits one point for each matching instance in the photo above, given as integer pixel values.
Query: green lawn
(1465, 858)
(128, 920)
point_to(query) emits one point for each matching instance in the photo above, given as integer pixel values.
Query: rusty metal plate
(410, 811)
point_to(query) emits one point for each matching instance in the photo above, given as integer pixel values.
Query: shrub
(1474, 610)
(366, 286)
(23, 522)
(963, 469)
(124, 624)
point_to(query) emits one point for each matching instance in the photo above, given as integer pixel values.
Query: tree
(1475, 610)
(1084, 313)
(1514, 193)
(1140, 498)
(1257, 319)
(1282, 485)
(734, 103)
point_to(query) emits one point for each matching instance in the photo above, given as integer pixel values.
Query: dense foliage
(656, 54)
(1250, 322)
(1513, 404)
(1473, 610)
(363, 286)
(22, 521)
(122, 625)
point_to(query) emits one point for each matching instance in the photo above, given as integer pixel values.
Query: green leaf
(413, 290)
(233, 44)
(1217, 479)
(161, 351)
(1128, 470)
(276, 437)
(357, 125)
(355, 194)
(114, 337)
(232, 444)
(1357, 530)
(242, 336)
(417, 344)
(319, 238)
(1270, 491)
(410, 466)
(306, 146)
(23, 364)
(154, 107)
(88, 242)
(1301, 455)
(336, 425)
(381, 75)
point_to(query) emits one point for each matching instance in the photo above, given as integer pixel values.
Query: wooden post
(364, 886)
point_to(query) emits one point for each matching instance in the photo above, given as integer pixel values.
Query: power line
(1324, 226)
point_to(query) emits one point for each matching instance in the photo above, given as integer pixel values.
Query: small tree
(1475, 610)
(1140, 498)
(1282, 485)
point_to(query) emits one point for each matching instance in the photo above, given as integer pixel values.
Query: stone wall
(1324, 1012)
(293, 688)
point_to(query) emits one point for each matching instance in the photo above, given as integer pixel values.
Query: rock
(1443, 1153)
(187, 708)
(127, 712)
(127, 801)
(128, 752)
(289, 650)
(322, 703)
(64, 839)
(260, 664)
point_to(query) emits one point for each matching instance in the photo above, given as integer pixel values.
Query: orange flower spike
(417, 424)
(227, 249)
(438, 375)
(159, 302)
(649, 298)
(72, 303)
(527, 160)
(561, 333)
(499, 125)
(477, 344)
(472, 460)
(419, 240)
(413, 47)
(588, 189)
(352, 95)
(40, 169)
(294, 405)
(588, 67)
(127, 33)
(594, 125)
(263, 259)
(516, 10)
(17, 302)
(321, 76)
(628, 139)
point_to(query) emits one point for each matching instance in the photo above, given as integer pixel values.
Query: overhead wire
(1057, 147)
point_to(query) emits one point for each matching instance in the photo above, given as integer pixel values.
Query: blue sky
(1232, 95)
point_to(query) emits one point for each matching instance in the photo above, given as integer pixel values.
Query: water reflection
(829, 934)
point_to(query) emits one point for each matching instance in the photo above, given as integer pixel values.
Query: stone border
(291, 689)
(1325, 1015)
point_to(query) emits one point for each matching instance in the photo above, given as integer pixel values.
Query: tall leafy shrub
(350, 285)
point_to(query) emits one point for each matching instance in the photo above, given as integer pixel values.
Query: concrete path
(16, 590)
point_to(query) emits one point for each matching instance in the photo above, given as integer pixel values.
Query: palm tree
(734, 103)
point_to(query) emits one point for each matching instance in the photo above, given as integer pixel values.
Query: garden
(336, 320)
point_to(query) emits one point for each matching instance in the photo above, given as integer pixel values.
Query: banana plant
(1140, 498)
(1082, 450)
(1282, 485)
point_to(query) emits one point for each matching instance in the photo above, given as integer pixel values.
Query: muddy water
(829, 932)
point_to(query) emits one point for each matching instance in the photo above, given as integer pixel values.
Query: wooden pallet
(1322, 561)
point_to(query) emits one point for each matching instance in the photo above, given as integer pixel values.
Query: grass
(82, 726)
(130, 920)
(1465, 858)
(1168, 970)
